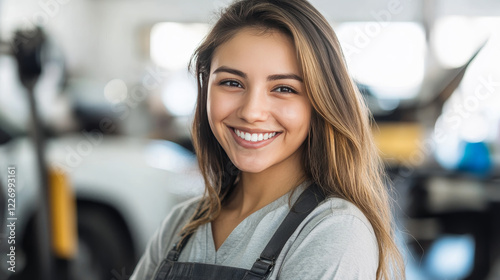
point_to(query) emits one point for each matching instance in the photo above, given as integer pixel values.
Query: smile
(254, 137)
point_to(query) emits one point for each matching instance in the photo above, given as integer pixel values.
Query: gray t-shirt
(335, 241)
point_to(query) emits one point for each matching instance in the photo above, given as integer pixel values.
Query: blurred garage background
(96, 103)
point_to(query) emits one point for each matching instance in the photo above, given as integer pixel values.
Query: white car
(124, 188)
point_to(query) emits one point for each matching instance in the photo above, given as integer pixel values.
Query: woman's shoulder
(344, 225)
(341, 221)
(335, 209)
(178, 217)
(182, 212)
(340, 227)
(186, 207)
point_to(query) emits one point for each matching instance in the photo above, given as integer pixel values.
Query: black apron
(171, 269)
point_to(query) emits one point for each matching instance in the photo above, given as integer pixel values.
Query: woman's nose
(254, 106)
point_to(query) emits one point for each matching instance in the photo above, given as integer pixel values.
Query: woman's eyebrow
(284, 77)
(231, 71)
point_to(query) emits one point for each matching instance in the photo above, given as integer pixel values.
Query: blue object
(476, 159)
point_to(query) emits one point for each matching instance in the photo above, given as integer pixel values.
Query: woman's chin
(250, 167)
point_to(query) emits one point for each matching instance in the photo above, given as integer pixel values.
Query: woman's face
(257, 106)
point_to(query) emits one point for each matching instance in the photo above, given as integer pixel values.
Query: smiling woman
(284, 144)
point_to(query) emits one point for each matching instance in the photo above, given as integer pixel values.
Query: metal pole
(42, 219)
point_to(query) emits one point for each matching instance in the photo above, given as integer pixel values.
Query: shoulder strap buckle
(173, 255)
(262, 266)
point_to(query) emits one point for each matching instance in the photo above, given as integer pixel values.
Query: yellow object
(399, 142)
(63, 215)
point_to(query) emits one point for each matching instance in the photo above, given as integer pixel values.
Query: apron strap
(304, 205)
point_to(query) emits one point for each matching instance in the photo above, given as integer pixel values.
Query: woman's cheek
(220, 107)
(217, 106)
(294, 114)
(213, 110)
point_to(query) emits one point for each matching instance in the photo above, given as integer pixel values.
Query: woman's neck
(256, 190)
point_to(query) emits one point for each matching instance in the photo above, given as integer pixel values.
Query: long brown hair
(339, 154)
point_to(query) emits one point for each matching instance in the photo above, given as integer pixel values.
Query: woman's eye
(231, 83)
(285, 89)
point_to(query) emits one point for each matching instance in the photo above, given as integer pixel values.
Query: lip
(252, 145)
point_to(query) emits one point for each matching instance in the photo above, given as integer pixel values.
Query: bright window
(388, 57)
(172, 44)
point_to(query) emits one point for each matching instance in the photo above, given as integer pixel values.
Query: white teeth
(254, 137)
